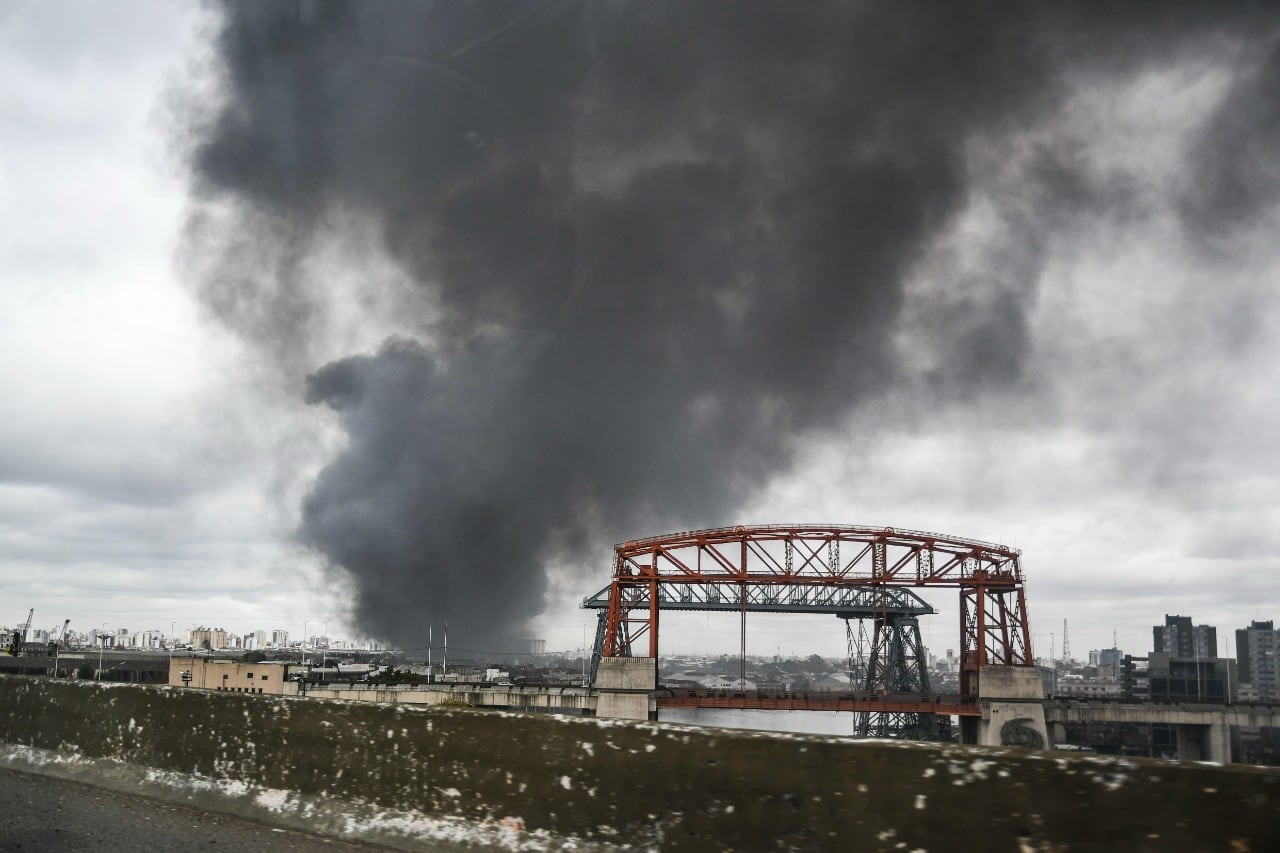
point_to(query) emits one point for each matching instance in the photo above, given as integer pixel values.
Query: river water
(806, 722)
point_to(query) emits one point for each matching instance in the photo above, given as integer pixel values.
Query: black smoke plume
(652, 246)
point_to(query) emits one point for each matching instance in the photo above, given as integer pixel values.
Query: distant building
(1257, 653)
(279, 639)
(1189, 679)
(1110, 662)
(153, 639)
(1183, 667)
(1177, 637)
(208, 638)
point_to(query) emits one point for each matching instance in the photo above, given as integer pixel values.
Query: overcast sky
(153, 468)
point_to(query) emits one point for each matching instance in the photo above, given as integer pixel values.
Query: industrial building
(235, 676)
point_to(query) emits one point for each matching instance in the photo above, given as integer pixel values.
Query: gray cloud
(1234, 171)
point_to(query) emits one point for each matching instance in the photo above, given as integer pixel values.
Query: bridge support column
(625, 688)
(1204, 743)
(1012, 702)
(1218, 743)
(1191, 742)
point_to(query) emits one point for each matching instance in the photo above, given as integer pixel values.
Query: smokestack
(645, 251)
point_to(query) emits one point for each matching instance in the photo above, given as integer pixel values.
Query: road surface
(39, 814)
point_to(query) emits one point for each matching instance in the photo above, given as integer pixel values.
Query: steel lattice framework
(848, 602)
(891, 661)
(768, 564)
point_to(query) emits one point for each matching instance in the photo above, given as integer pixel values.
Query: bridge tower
(891, 660)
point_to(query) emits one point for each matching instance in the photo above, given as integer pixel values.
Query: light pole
(305, 657)
(102, 641)
(1226, 662)
(324, 654)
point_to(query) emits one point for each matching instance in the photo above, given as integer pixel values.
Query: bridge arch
(766, 567)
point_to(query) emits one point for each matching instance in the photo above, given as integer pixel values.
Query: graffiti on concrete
(1018, 732)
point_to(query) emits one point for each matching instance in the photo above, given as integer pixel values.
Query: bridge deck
(881, 703)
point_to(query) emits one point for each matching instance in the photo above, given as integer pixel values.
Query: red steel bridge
(854, 572)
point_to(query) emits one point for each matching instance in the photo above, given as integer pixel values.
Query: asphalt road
(39, 814)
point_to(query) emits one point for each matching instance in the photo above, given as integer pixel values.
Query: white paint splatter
(274, 799)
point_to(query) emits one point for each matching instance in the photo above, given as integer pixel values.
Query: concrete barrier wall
(543, 782)
(564, 700)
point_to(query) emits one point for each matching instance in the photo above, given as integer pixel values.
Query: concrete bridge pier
(626, 688)
(1012, 703)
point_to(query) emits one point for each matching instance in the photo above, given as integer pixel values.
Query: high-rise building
(209, 638)
(1110, 661)
(1258, 659)
(280, 638)
(1177, 637)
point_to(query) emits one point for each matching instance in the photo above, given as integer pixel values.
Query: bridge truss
(890, 660)
(819, 569)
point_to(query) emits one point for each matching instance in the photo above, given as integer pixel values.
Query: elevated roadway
(1203, 730)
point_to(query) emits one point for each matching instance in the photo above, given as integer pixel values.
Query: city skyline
(1225, 643)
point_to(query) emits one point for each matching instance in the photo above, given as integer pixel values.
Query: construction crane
(61, 639)
(55, 648)
(20, 636)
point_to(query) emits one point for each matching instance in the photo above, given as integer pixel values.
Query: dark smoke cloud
(1236, 175)
(651, 245)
